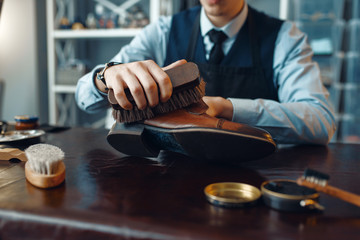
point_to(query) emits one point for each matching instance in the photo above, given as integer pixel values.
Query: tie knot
(217, 36)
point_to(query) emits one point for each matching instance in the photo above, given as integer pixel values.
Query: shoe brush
(188, 88)
(319, 181)
(45, 167)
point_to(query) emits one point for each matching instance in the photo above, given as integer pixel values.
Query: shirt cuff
(244, 111)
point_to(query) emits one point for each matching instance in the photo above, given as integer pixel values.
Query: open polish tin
(232, 194)
(287, 195)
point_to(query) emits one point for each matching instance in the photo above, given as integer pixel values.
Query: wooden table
(107, 195)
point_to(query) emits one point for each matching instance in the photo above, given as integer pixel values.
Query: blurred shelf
(65, 47)
(64, 88)
(96, 33)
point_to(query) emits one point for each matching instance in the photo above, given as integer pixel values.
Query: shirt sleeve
(303, 113)
(150, 43)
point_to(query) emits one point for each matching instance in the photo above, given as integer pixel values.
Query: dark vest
(246, 71)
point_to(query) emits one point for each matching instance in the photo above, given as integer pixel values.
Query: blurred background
(46, 45)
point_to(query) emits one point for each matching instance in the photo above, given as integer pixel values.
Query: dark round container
(287, 195)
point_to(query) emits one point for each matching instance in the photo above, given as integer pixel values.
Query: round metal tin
(232, 194)
(287, 195)
(26, 118)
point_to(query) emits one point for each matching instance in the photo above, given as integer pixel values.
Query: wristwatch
(100, 75)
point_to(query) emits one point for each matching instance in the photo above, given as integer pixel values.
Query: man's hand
(147, 82)
(219, 107)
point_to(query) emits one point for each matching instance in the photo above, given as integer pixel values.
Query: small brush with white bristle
(319, 181)
(45, 167)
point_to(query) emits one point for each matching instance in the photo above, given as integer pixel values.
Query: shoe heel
(129, 139)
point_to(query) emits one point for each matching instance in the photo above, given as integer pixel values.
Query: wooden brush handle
(10, 153)
(332, 191)
(182, 77)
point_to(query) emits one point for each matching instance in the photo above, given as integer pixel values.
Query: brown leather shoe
(192, 132)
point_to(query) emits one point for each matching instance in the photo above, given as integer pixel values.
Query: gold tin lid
(232, 194)
(26, 118)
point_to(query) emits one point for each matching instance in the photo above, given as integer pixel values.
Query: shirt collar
(230, 29)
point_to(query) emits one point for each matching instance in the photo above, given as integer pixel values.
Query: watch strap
(101, 75)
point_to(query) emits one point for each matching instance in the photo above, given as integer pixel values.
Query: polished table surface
(107, 195)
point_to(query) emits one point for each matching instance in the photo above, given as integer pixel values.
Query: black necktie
(217, 54)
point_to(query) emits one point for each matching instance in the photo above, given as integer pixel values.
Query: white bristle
(44, 158)
(312, 179)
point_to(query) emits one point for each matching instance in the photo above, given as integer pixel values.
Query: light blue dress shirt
(303, 113)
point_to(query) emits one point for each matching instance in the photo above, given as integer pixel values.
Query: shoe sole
(205, 143)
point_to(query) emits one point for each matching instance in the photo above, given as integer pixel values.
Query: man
(264, 76)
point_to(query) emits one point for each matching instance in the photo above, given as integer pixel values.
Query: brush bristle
(316, 177)
(44, 158)
(178, 100)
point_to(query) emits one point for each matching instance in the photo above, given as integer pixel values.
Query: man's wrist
(99, 84)
(228, 109)
(100, 76)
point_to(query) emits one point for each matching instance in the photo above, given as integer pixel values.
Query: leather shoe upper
(195, 116)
